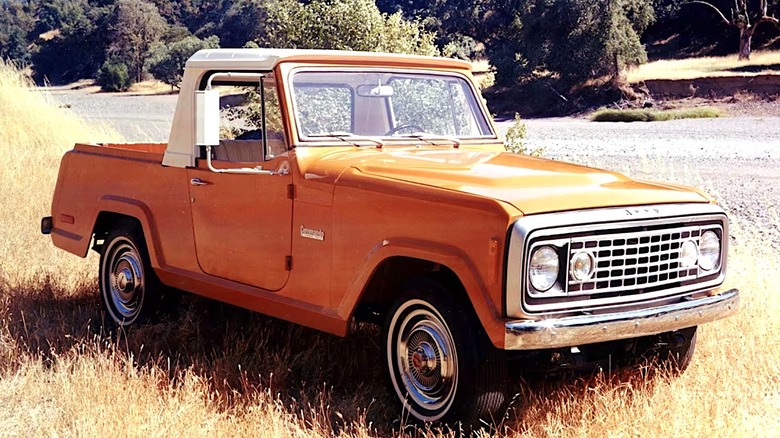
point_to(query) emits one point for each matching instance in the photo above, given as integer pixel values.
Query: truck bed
(143, 151)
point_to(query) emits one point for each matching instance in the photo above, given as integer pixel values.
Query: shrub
(648, 115)
(113, 76)
(167, 61)
(515, 139)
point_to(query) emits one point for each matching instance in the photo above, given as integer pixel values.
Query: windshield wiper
(349, 137)
(433, 138)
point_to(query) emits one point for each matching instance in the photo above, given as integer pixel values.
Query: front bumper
(589, 329)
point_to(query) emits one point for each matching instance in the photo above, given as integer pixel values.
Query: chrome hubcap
(426, 359)
(125, 281)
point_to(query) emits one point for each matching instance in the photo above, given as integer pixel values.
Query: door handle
(198, 182)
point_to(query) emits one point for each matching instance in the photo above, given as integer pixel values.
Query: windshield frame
(478, 107)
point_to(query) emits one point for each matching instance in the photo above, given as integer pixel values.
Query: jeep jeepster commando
(320, 187)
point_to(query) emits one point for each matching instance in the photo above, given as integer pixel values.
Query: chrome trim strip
(589, 220)
(588, 329)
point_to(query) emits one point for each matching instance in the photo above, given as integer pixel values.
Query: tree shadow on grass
(237, 351)
(755, 68)
(240, 353)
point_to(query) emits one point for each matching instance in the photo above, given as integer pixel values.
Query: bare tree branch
(725, 20)
(767, 19)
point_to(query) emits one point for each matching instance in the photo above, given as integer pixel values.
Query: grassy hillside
(767, 62)
(213, 370)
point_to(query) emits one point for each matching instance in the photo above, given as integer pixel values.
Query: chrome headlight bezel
(710, 247)
(543, 268)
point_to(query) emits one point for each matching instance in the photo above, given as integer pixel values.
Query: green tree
(16, 21)
(76, 48)
(135, 26)
(458, 24)
(575, 39)
(245, 21)
(166, 61)
(113, 76)
(342, 25)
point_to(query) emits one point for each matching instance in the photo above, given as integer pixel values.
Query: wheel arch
(114, 212)
(393, 273)
(456, 274)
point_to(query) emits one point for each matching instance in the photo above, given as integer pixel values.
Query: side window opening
(246, 112)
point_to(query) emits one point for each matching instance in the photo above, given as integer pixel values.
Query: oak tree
(136, 26)
(746, 19)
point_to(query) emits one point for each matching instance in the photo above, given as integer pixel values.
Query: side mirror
(207, 118)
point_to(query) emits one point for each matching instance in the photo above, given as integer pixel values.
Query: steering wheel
(413, 127)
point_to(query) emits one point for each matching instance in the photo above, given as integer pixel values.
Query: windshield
(386, 104)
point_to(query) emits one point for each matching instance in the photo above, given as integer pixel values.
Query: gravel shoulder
(734, 159)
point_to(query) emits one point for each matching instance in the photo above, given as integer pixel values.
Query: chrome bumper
(589, 329)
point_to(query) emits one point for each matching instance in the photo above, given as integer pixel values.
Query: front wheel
(441, 365)
(675, 349)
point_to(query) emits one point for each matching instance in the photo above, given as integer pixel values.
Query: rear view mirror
(371, 90)
(207, 117)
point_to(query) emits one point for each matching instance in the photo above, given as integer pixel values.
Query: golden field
(761, 62)
(213, 370)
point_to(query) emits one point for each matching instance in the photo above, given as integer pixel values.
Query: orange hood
(531, 185)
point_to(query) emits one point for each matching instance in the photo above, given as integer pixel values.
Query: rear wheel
(130, 290)
(441, 365)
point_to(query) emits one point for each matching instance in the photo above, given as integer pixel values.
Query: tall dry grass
(34, 133)
(213, 370)
(761, 62)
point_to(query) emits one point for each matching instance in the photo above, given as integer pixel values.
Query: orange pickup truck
(323, 187)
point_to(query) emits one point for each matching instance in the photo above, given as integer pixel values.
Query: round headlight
(581, 266)
(689, 253)
(709, 250)
(544, 268)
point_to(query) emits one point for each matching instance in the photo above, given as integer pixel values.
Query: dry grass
(767, 62)
(213, 370)
(151, 87)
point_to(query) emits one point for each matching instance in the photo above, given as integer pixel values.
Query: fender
(140, 211)
(487, 310)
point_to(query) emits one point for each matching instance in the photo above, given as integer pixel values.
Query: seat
(239, 151)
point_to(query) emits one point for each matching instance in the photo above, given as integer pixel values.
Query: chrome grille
(636, 253)
(631, 264)
(636, 260)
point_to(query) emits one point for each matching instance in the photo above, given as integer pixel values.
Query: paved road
(137, 118)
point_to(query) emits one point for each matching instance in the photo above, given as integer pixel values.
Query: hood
(532, 185)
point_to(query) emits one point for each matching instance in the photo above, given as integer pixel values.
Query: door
(243, 224)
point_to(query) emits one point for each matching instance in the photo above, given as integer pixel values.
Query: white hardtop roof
(266, 59)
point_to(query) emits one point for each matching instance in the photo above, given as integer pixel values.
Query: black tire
(129, 288)
(441, 365)
(675, 349)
